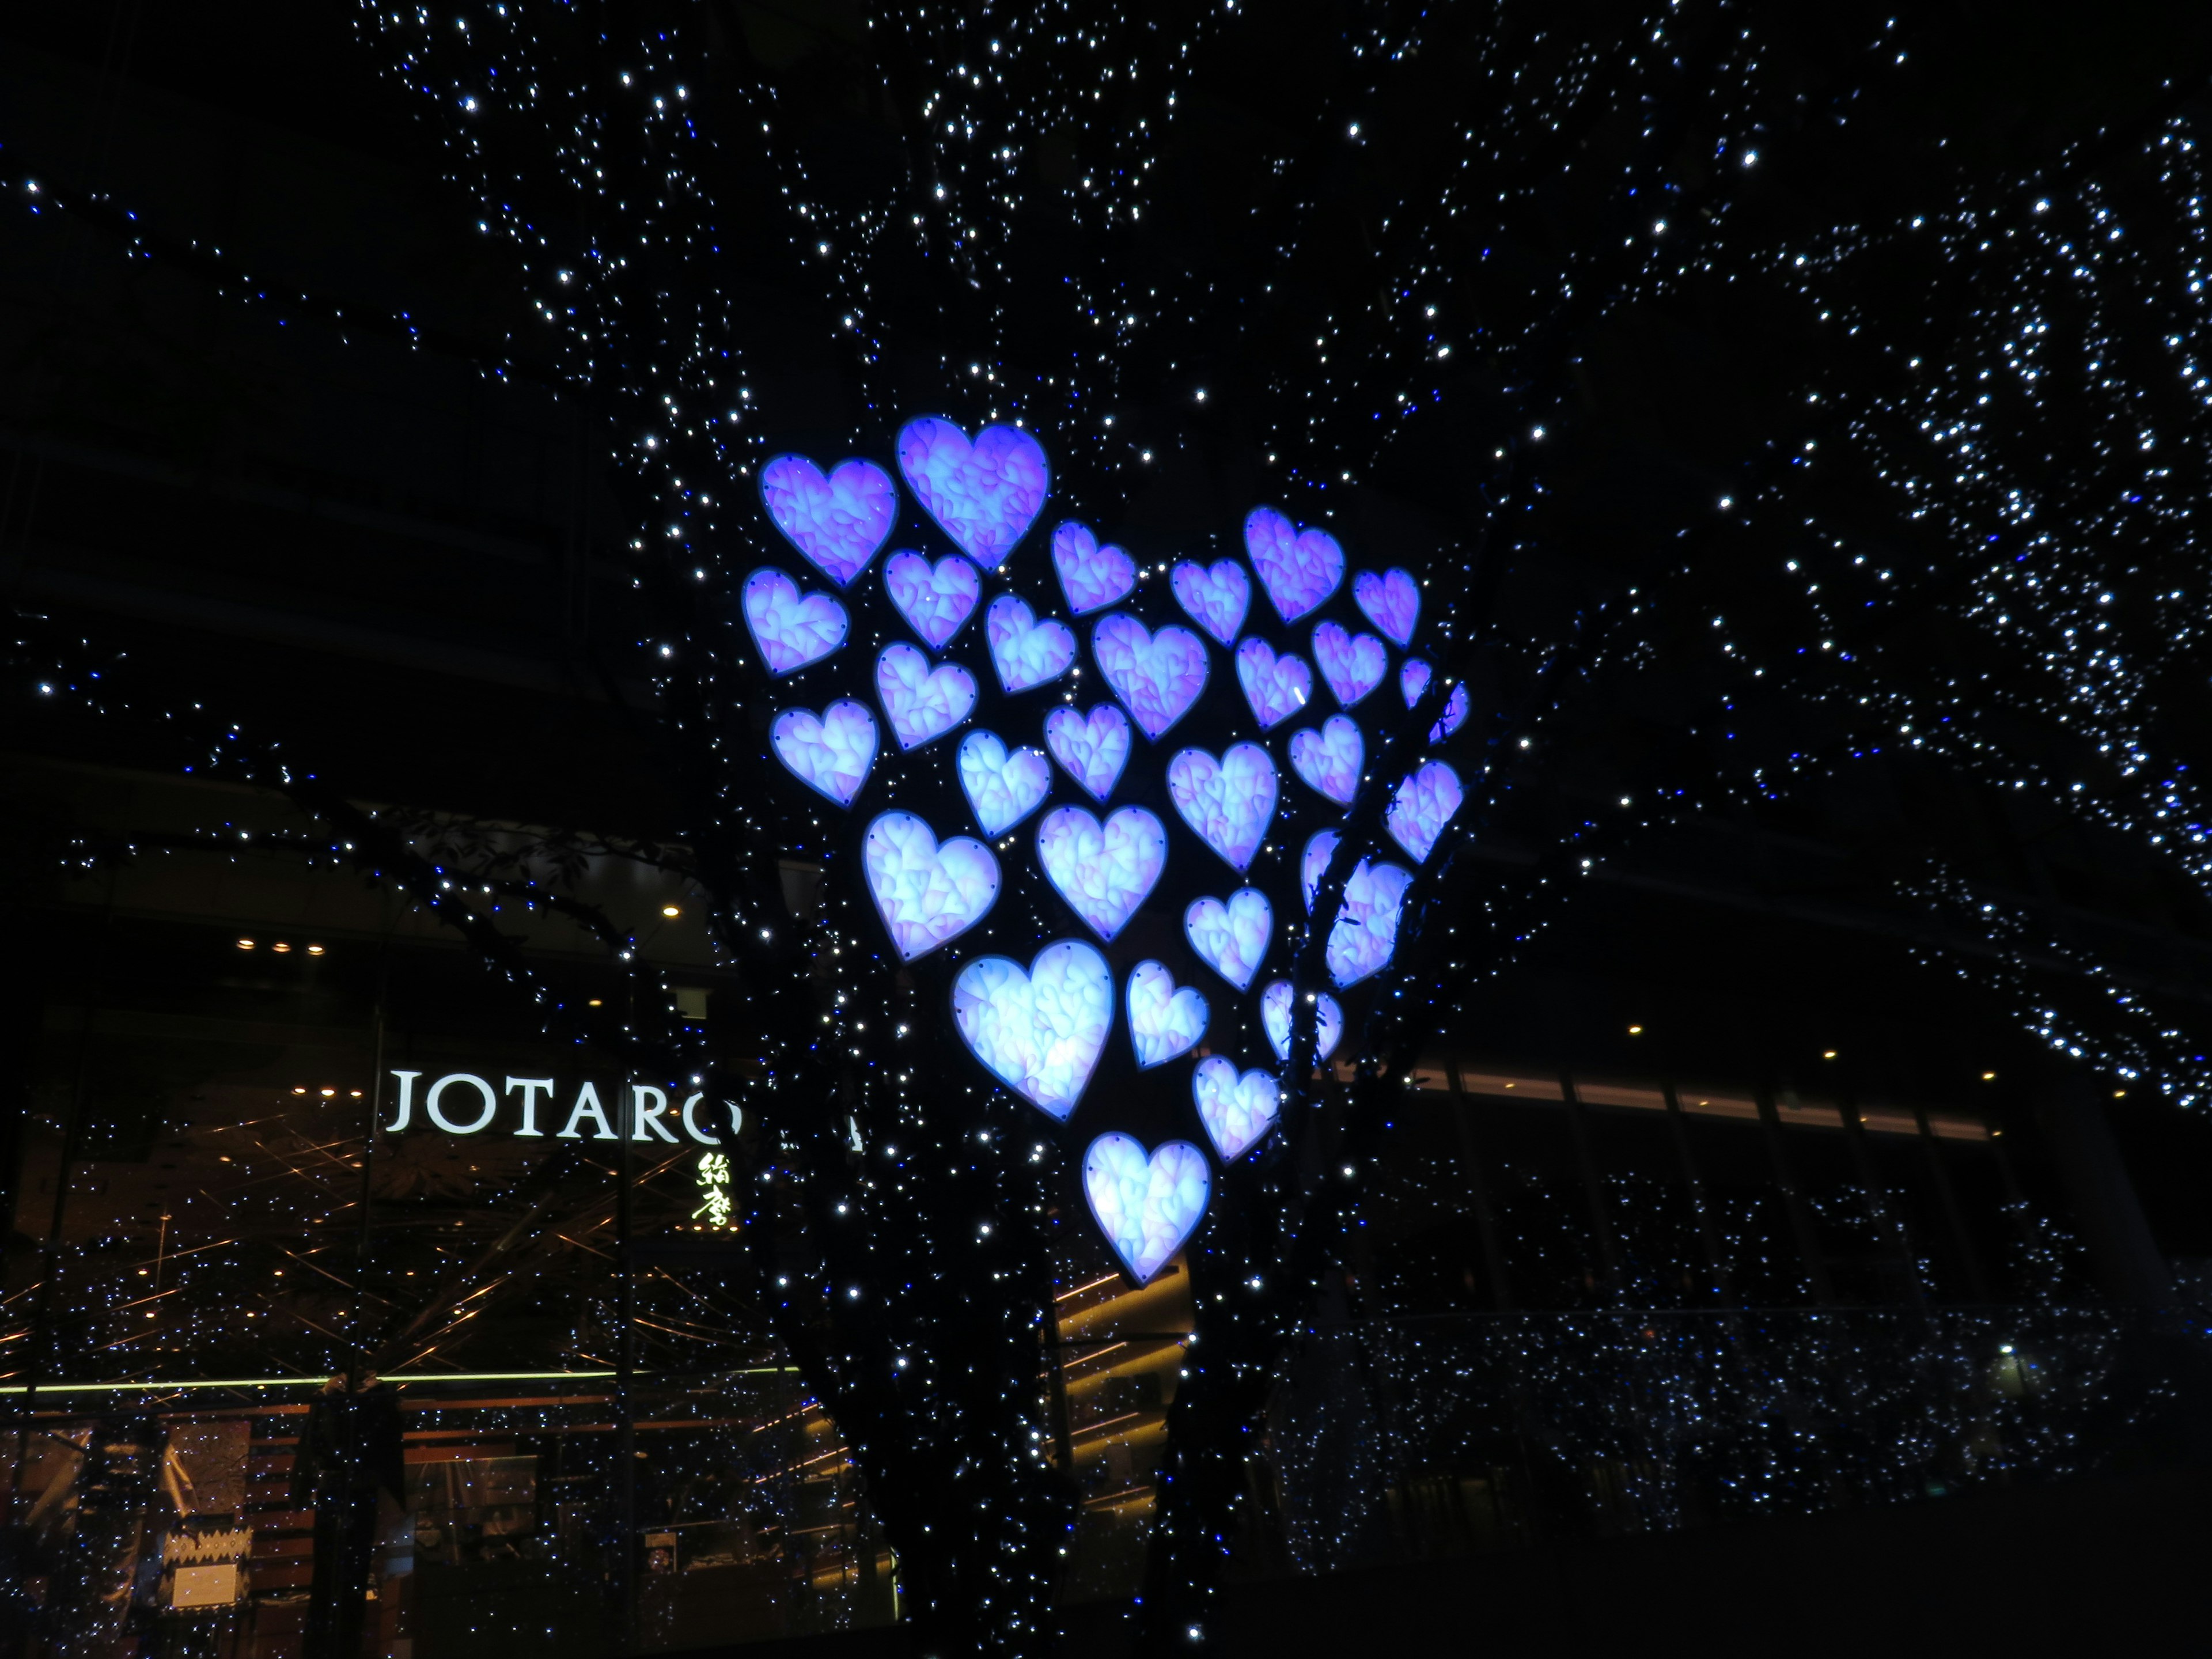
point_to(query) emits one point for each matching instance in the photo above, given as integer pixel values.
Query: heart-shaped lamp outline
(1366, 922)
(1187, 1162)
(899, 561)
(772, 477)
(1286, 542)
(1382, 597)
(1315, 751)
(929, 430)
(1067, 712)
(1010, 623)
(1413, 819)
(1068, 547)
(1060, 1103)
(775, 733)
(799, 599)
(1229, 909)
(890, 716)
(1153, 639)
(1328, 1013)
(1189, 798)
(1326, 636)
(1147, 975)
(1248, 1083)
(1006, 758)
(1276, 685)
(967, 844)
(1146, 823)
(1211, 577)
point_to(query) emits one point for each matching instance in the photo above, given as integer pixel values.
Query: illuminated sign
(465, 1104)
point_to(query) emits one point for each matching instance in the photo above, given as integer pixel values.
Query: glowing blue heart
(1329, 759)
(1146, 1206)
(1313, 864)
(1298, 568)
(1226, 802)
(926, 894)
(982, 495)
(1002, 788)
(788, 631)
(1215, 599)
(1237, 1111)
(1276, 687)
(1231, 938)
(936, 600)
(1094, 748)
(1024, 651)
(1414, 679)
(1103, 872)
(1156, 676)
(1391, 601)
(838, 522)
(1275, 1016)
(922, 702)
(1164, 1020)
(1366, 928)
(1040, 1032)
(1353, 665)
(831, 752)
(1091, 576)
(1425, 803)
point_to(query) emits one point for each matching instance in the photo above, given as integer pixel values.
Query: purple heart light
(1215, 599)
(830, 752)
(838, 522)
(1414, 679)
(1392, 601)
(1231, 937)
(1026, 652)
(921, 701)
(1329, 759)
(1164, 1020)
(1156, 676)
(1353, 665)
(1425, 803)
(1093, 747)
(1313, 864)
(1106, 871)
(936, 600)
(1366, 928)
(1002, 788)
(1146, 1206)
(1227, 802)
(1276, 687)
(927, 893)
(1275, 1016)
(1236, 1111)
(984, 494)
(1092, 577)
(1298, 568)
(790, 631)
(1039, 1032)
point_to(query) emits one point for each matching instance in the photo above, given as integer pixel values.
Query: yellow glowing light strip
(318, 1381)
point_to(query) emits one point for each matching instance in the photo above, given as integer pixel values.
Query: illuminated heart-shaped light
(831, 752)
(838, 522)
(1414, 679)
(1091, 576)
(1425, 803)
(1366, 929)
(790, 631)
(1002, 788)
(1146, 1206)
(1215, 599)
(1103, 872)
(1039, 1032)
(1392, 602)
(1156, 676)
(922, 703)
(1275, 1016)
(1094, 748)
(1276, 687)
(1164, 1020)
(1236, 1111)
(1313, 864)
(1328, 760)
(936, 600)
(926, 894)
(1228, 801)
(1353, 664)
(982, 495)
(1298, 568)
(1231, 938)
(1024, 651)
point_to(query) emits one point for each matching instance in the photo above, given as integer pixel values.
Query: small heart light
(1414, 679)
(830, 752)
(1092, 577)
(1237, 1111)
(790, 631)
(1156, 676)
(838, 522)
(1299, 568)
(925, 892)
(1024, 651)
(1391, 601)
(1313, 864)
(1425, 803)
(1329, 759)
(1353, 664)
(984, 494)
(1227, 802)
(1366, 931)
(1105, 872)
(1002, 787)
(1146, 1206)
(1093, 747)
(1040, 1032)
(1164, 1020)
(1275, 687)
(1231, 937)
(936, 600)
(1215, 599)
(1275, 1016)
(922, 702)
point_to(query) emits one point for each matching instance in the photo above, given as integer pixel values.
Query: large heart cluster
(1041, 1028)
